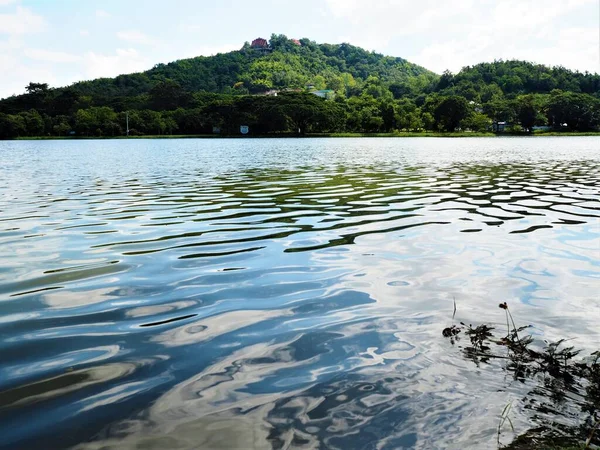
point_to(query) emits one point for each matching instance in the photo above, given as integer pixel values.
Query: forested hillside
(363, 91)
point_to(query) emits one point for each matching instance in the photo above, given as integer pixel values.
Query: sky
(62, 41)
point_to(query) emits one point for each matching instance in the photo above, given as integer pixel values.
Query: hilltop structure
(261, 45)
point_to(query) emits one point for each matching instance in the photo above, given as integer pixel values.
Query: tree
(476, 121)
(529, 112)
(428, 121)
(319, 82)
(153, 122)
(37, 88)
(387, 112)
(98, 120)
(168, 95)
(450, 112)
(400, 90)
(579, 112)
(501, 110)
(34, 124)
(349, 83)
(307, 112)
(408, 115)
(445, 81)
(12, 126)
(65, 102)
(61, 126)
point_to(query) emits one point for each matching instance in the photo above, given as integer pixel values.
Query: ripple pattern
(281, 293)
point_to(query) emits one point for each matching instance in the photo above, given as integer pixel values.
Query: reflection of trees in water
(346, 202)
(62, 384)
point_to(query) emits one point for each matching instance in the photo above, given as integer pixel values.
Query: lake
(284, 293)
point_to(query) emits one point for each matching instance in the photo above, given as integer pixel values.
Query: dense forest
(299, 86)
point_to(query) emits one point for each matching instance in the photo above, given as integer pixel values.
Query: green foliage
(37, 88)
(529, 111)
(97, 121)
(518, 77)
(578, 111)
(12, 126)
(476, 121)
(450, 112)
(34, 124)
(168, 95)
(371, 93)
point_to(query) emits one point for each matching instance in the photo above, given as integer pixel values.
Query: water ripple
(282, 293)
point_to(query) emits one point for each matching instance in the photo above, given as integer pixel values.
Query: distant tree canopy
(365, 92)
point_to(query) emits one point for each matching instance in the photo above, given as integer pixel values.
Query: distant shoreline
(317, 135)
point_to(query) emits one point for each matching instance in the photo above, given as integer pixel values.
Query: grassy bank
(405, 134)
(411, 134)
(267, 136)
(567, 133)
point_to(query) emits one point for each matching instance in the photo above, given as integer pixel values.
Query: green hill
(342, 68)
(364, 91)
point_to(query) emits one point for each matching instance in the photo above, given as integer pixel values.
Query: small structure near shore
(500, 127)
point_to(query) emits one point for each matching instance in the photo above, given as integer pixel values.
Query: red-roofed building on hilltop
(296, 41)
(260, 43)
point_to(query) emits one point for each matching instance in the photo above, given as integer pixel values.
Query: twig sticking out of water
(504, 306)
(454, 313)
(452, 331)
(503, 418)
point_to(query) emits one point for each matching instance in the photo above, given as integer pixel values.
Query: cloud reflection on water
(269, 302)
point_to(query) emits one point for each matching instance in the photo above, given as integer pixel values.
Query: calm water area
(284, 293)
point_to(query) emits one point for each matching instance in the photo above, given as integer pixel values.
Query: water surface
(268, 293)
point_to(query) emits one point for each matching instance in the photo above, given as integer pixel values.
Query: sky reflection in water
(283, 293)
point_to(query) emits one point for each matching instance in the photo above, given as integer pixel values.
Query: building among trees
(261, 45)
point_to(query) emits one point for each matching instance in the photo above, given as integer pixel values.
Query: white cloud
(7, 2)
(451, 35)
(399, 17)
(15, 75)
(101, 14)
(84, 33)
(206, 50)
(371, 43)
(210, 50)
(50, 56)
(576, 48)
(22, 21)
(134, 36)
(190, 28)
(123, 61)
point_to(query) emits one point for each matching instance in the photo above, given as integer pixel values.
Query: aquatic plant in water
(565, 386)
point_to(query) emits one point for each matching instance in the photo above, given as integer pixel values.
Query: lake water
(283, 293)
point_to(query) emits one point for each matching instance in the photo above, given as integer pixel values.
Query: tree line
(301, 112)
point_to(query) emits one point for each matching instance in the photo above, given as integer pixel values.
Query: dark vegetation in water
(363, 92)
(564, 399)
